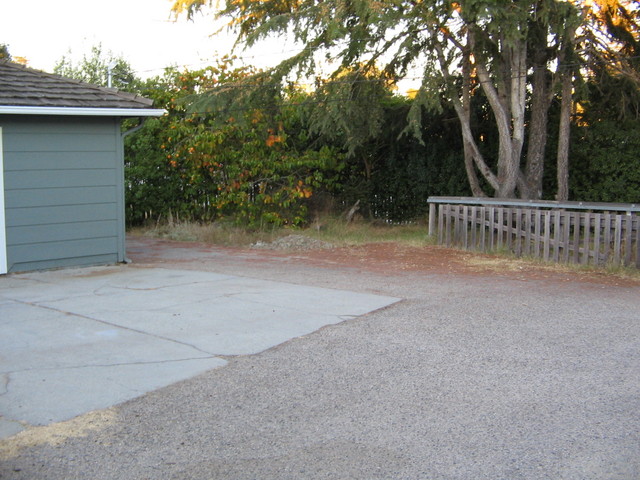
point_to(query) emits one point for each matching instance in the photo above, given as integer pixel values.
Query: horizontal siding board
(59, 178)
(16, 161)
(61, 142)
(64, 214)
(28, 266)
(57, 232)
(60, 196)
(44, 125)
(61, 250)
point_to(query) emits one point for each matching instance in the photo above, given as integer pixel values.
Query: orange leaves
(273, 139)
(302, 191)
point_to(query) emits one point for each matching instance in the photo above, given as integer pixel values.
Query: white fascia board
(3, 231)
(82, 112)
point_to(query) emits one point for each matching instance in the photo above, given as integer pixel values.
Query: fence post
(432, 219)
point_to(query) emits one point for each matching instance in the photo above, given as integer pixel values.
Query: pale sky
(141, 31)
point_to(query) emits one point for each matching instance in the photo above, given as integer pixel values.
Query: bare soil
(387, 258)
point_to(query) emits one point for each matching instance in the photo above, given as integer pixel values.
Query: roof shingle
(26, 87)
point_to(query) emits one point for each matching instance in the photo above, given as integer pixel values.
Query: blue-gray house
(61, 170)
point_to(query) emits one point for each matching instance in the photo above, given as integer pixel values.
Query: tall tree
(100, 67)
(460, 48)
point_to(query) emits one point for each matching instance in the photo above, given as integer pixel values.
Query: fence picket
(607, 238)
(465, 231)
(617, 239)
(547, 234)
(448, 227)
(492, 228)
(538, 237)
(575, 244)
(474, 227)
(597, 238)
(628, 236)
(483, 229)
(566, 235)
(527, 232)
(518, 230)
(587, 238)
(441, 210)
(556, 236)
(508, 223)
(637, 222)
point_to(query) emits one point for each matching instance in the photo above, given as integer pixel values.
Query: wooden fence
(575, 232)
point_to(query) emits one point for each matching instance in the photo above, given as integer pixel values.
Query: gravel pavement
(469, 377)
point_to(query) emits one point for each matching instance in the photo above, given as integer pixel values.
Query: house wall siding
(63, 191)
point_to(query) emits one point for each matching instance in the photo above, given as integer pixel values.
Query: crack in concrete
(148, 289)
(115, 325)
(107, 365)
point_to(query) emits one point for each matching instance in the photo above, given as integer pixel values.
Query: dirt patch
(386, 258)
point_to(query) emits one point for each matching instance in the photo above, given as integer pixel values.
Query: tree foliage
(97, 66)
(4, 52)
(522, 57)
(460, 48)
(253, 167)
(605, 162)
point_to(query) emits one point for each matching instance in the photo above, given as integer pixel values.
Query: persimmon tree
(248, 166)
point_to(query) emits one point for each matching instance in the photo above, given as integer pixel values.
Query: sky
(140, 31)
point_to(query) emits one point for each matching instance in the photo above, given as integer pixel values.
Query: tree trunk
(540, 102)
(474, 183)
(518, 97)
(563, 137)
(566, 76)
(510, 118)
(472, 155)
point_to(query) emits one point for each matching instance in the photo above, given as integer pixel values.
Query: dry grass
(507, 262)
(213, 233)
(332, 230)
(341, 233)
(56, 433)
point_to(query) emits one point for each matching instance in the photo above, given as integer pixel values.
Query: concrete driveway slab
(84, 339)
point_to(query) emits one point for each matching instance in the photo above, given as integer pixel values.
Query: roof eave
(81, 111)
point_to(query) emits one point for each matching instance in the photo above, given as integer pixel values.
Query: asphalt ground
(468, 377)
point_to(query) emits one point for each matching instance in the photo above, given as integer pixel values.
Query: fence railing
(570, 232)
